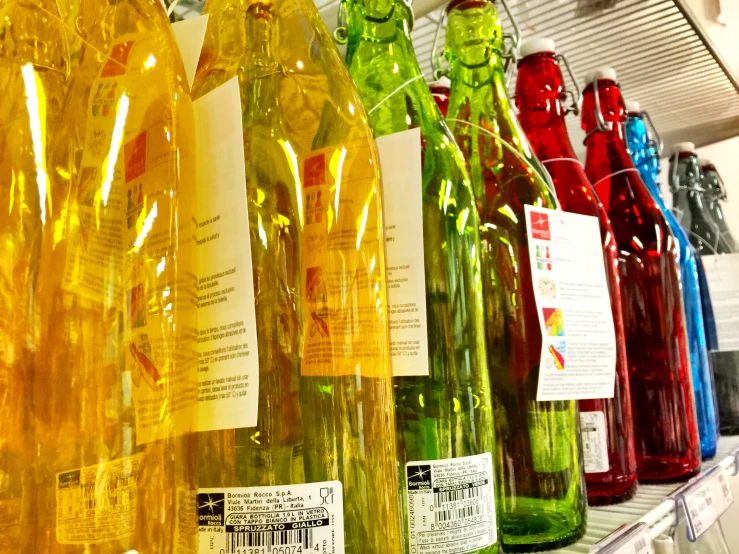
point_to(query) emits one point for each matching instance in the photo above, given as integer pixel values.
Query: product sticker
(706, 501)
(400, 160)
(723, 283)
(549, 436)
(451, 505)
(594, 441)
(186, 522)
(228, 360)
(130, 239)
(578, 359)
(289, 519)
(97, 503)
(342, 269)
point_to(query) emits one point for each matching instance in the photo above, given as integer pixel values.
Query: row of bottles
(105, 368)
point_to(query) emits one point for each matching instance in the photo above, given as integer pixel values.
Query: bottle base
(536, 532)
(730, 429)
(665, 479)
(607, 498)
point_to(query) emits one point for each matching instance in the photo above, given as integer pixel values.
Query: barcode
(269, 539)
(454, 496)
(640, 545)
(457, 513)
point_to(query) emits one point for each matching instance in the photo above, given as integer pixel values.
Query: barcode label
(594, 441)
(257, 520)
(640, 545)
(633, 539)
(451, 506)
(268, 539)
(705, 502)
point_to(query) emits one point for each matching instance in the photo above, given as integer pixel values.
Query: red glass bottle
(440, 91)
(541, 97)
(663, 408)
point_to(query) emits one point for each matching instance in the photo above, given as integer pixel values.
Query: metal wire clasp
(510, 43)
(576, 96)
(600, 123)
(341, 33)
(655, 141)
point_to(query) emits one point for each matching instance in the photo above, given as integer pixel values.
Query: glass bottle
(440, 91)
(540, 98)
(33, 68)
(690, 203)
(539, 455)
(715, 194)
(114, 397)
(665, 427)
(311, 179)
(640, 149)
(447, 415)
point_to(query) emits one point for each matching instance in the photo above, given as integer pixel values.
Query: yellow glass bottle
(325, 413)
(115, 390)
(33, 68)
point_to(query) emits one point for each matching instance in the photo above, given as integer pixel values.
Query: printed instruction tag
(97, 503)
(288, 519)
(635, 539)
(228, 361)
(189, 35)
(451, 505)
(706, 501)
(723, 284)
(578, 359)
(400, 160)
(594, 441)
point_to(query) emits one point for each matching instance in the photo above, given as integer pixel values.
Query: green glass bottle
(444, 416)
(543, 503)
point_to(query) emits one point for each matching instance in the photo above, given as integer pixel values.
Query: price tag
(631, 539)
(705, 501)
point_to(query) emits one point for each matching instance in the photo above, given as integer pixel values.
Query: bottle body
(667, 442)
(325, 408)
(33, 84)
(115, 402)
(639, 148)
(540, 96)
(538, 449)
(447, 415)
(714, 193)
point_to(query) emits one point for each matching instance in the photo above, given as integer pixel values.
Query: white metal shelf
(652, 504)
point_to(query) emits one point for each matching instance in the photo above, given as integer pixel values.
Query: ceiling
(664, 59)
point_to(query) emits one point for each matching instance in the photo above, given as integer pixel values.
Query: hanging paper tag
(721, 273)
(705, 501)
(400, 160)
(228, 361)
(634, 539)
(578, 359)
(189, 35)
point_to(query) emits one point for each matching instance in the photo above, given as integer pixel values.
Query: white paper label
(634, 540)
(189, 35)
(451, 505)
(594, 441)
(400, 161)
(722, 274)
(228, 361)
(706, 501)
(578, 358)
(289, 519)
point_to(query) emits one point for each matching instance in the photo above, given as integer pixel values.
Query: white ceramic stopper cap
(704, 161)
(632, 106)
(444, 82)
(600, 73)
(683, 147)
(535, 45)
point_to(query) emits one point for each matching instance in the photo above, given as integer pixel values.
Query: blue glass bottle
(645, 158)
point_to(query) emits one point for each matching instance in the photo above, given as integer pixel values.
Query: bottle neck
(540, 97)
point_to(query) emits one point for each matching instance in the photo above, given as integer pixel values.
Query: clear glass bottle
(715, 193)
(665, 426)
(539, 455)
(33, 68)
(447, 415)
(320, 418)
(114, 396)
(640, 149)
(540, 98)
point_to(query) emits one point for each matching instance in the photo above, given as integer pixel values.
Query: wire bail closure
(511, 41)
(576, 96)
(655, 141)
